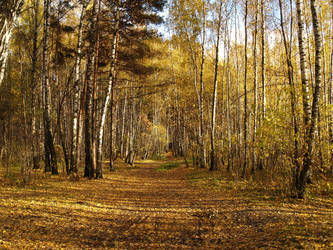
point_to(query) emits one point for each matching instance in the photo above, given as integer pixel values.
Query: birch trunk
(310, 133)
(245, 92)
(255, 97)
(263, 60)
(238, 109)
(212, 137)
(7, 22)
(108, 98)
(50, 154)
(303, 66)
(229, 167)
(304, 80)
(76, 101)
(201, 107)
(123, 144)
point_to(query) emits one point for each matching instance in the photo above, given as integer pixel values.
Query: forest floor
(155, 205)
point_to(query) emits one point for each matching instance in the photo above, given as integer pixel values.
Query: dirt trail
(148, 209)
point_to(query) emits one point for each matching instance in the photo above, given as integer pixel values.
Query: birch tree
(50, 154)
(255, 88)
(76, 99)
(9, 12)
(245, 91)
(212, 138)
(313, 116)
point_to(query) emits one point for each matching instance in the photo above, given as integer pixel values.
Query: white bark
(109, 95)
(7, 22)
(75, 146)
(213, 160)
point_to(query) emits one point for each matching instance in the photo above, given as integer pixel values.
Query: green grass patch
(168, 166)
(157, 157)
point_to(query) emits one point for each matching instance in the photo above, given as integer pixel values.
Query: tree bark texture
(310, 133)
(50, 154)
(217, 45)
(108, 98)
(76, 99)
(245, 92)
(35, 158)
(9, 12)
(89, 169)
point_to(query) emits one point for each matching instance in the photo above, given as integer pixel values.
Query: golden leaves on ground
(144, 208)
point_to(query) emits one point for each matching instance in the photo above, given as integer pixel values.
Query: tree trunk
(89, 169)
(303, 66)
(75, 147)
(230, 165)
(7, 21)
(310, 133)
(94, 120)
(201, 107)
(35, 158)
(330, 94)
(108, 98)
(245, 92)
(305, 83)
(123, 144)
(255, 89)
(212, 138)
(263, 60)
(293, 100)
(195, 71)
(50, 154)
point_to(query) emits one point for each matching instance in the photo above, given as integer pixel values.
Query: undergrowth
(259, 186)
(168, 166)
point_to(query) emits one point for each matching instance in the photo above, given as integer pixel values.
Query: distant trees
(261, 101)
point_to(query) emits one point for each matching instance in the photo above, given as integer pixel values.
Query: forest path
(150, 207)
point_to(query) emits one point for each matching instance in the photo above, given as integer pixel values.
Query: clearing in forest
(154, 205)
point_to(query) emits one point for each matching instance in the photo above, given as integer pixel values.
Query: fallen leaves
(145, 208)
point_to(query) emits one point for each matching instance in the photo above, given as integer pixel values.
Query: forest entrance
(155, 204)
